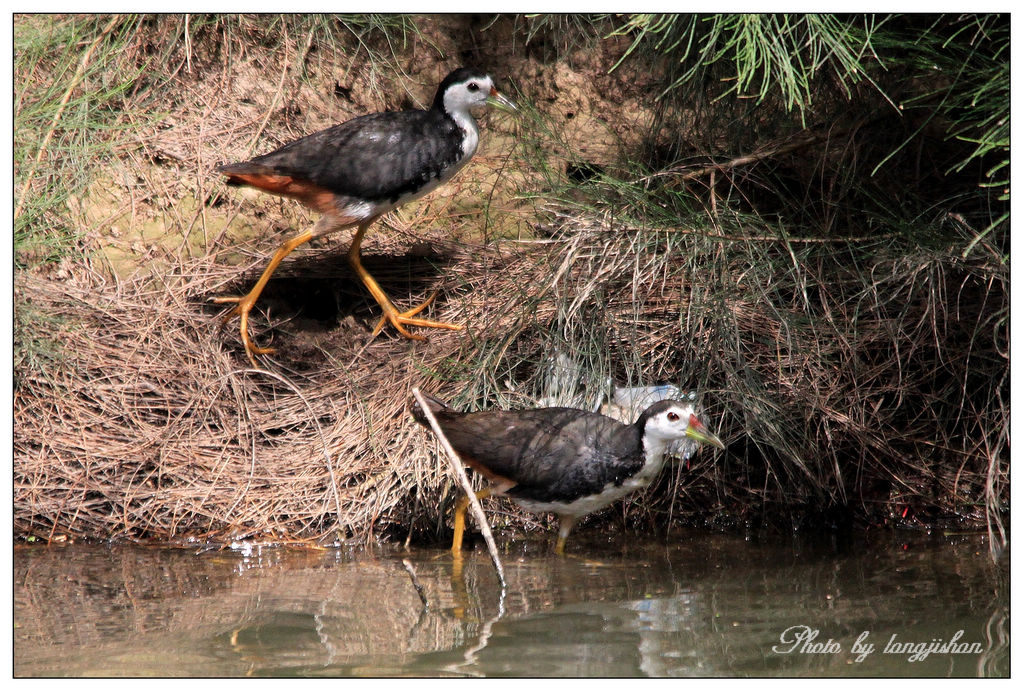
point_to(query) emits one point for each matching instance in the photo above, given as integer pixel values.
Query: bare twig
(415, 582)
(460, 473)
(767, 151)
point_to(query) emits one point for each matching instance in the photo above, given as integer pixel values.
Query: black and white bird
(563, 460)
(355, 172)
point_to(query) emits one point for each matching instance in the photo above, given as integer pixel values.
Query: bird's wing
(539, 448)
(374, 157)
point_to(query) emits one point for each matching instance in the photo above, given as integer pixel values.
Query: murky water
(696, 605)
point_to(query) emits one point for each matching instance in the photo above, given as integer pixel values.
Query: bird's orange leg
(244, 304)
(460, 518)
(565, 524)
(391, 313)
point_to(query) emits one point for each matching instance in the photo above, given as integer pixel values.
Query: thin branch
(460, 473)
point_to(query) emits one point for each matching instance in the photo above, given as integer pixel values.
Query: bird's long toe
(399, 320)
(243, 305)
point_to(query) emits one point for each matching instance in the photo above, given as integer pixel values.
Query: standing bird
(563, 460)
(355, 172)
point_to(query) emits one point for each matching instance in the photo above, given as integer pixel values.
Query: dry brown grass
(853, 393)
(149, 426)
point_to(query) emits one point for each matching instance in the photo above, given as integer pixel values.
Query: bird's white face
(474, 91)
(463, 95)
(679, 422)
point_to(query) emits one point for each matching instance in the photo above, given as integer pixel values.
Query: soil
(144, 212)
(143, 215)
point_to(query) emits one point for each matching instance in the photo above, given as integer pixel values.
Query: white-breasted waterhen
(354, 172)
(563, 460)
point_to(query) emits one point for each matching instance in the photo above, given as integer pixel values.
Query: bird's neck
(467, 125)
(654, 458)
(654, 450)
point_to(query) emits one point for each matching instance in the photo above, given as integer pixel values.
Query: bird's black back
(552, 454)
(376, 157)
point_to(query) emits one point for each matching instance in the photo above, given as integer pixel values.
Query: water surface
(694, 604)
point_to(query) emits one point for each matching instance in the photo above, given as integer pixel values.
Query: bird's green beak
(696, 431)
(501, 101)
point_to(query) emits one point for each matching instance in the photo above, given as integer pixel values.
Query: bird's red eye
(673, 416)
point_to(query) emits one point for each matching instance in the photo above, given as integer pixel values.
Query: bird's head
(668, 421)
(465, 88)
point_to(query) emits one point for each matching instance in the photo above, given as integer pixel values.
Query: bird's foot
(399, 319)
(243, 305)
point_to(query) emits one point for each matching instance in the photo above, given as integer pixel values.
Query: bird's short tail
(254, 174)
(275, 182)
(435, 404)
